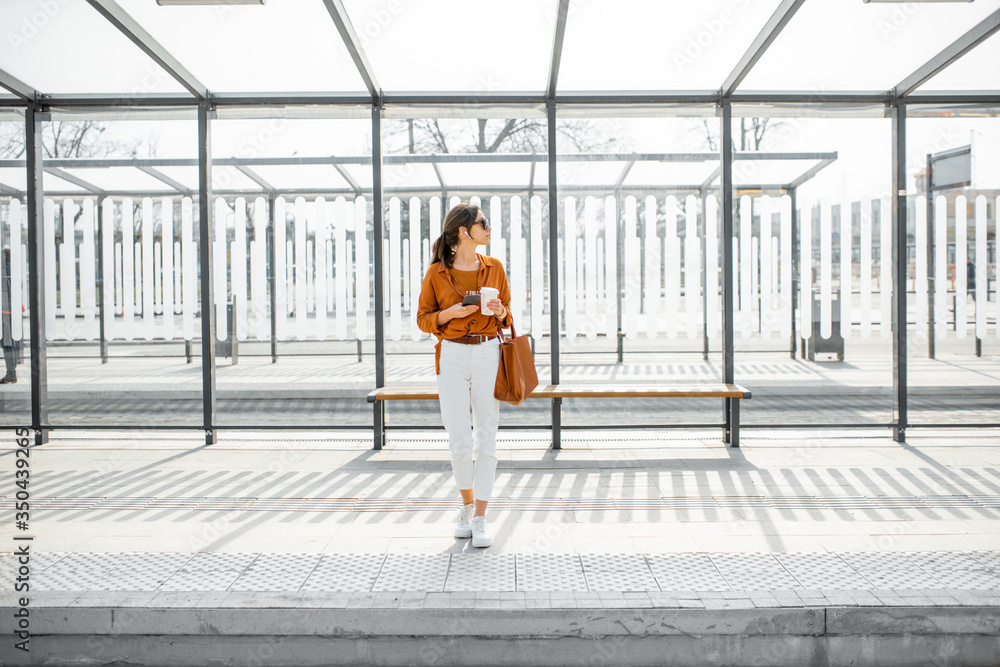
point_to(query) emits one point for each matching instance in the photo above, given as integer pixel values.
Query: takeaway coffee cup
(487, 294)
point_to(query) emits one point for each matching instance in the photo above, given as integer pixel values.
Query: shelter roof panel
(669, 173)
(295, 177)
(513, 174)
(977, 71)
(408, 176)
(117, 179)
(832, 45)
(51, 182)
(276, 47)
(14, 178)
(654, 45)
(67, 47)
(460, 45)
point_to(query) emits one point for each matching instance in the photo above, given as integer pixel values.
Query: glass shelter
(218, 216)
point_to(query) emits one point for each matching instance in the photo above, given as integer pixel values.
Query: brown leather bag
(516, 377)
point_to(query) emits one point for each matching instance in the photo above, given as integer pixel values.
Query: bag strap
(513, 333)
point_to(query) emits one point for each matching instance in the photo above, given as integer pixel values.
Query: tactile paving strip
(344, 572)
(618, 572)
(753, 572)
(76, 571)
(413, 572)
(550, 572)
(481, 572)
(277, 572)
(209, 572)
(990, 559)
(142, 572)
(935, 561)
(969, 579)
(687, 572)
(822, 571)
(900, 578)
(522, 572)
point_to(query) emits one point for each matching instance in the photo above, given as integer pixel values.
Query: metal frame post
(620, 271)
(272, 278)
(899, 268)
(100, 283)
(378, 268)
(704, 273)
(730, 434)
(931, 282)
(550, 107)
(205, 228)
(34, 159)
(794, 195)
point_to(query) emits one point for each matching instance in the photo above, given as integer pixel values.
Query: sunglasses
(485, 222)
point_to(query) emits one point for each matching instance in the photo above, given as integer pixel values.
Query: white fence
(656, 260)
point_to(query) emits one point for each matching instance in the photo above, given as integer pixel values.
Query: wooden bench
(732, 394)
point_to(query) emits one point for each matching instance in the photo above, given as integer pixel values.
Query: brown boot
(10, 378)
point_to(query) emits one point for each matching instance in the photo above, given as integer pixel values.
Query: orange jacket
(440, 291)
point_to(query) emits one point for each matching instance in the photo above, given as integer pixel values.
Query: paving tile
(344, 572)
(550, 572)
(475, 572)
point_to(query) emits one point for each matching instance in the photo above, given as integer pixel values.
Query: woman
(466, 357)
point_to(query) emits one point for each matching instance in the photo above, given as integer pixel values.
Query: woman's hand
(457, 311)
(497, 308)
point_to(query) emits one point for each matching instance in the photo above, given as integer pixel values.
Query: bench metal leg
(734, 425)
(557, 423)
(727, 414)
(899, 433)
(379, 424)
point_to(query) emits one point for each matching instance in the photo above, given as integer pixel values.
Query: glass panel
(639, 297)
(413, 222)
(55, 184)
(121, 271)
(952, 254)
(309, 360)
(13, 178)
(91, 55)
(457, 46)
(813, 275)
(15, 332)
(691, 174)
(832, 45)
(975, 71)
(277, 47)
(774, 173)
(653, 45)
(186, 176)
(295, 177)
(119, 179)
(503, 174)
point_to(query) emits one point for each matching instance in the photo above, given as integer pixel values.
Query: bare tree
(71, 138)
(482, 135)
(748, 137)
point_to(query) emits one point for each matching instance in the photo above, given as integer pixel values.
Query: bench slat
(581, 391)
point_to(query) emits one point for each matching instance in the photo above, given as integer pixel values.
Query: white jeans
(465, 387)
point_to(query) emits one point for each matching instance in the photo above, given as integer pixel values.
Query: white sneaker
(464, 526)
(480, 536)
